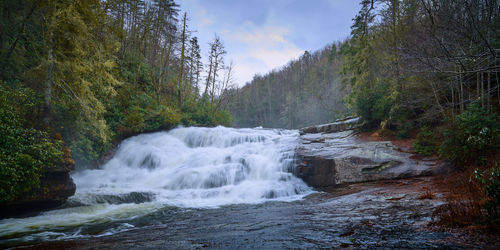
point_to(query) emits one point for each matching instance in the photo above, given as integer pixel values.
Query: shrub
(491, 186)
(463, 197)
(135, 119)
(24, 152)
(373, 105)
(424, 143)
(403, 131)
(473, 136)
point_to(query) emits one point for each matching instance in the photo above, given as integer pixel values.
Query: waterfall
(190, 167)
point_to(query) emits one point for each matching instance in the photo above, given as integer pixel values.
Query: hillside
(303, 92)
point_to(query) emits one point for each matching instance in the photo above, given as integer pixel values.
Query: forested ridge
(76, 77)
(304, 92)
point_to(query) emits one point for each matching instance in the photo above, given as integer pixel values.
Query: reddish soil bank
(405, 145)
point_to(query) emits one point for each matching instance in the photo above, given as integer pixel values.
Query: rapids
(159, 174)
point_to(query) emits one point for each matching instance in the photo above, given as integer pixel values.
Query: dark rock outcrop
(56, 185)
(333, 159)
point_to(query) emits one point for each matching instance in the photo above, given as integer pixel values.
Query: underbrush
(472, 197)
(463, 199)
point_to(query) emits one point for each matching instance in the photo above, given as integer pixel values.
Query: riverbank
(391, 214)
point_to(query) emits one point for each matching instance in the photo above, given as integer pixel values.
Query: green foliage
(403, 131)
(24, 151)
(85, 147)
(203, 114)
(425, 144)
(491, 185)
(97, 81)
(372, 105)
(473, 136)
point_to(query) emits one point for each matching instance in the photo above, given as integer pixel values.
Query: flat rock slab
(337, 126)
(332, 159)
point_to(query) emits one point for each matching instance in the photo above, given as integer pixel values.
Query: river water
(226, 188)
(158, 175)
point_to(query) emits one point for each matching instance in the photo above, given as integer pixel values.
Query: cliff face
(56, 185)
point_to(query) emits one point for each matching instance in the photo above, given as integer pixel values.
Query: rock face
(337, 126)
(56, 185)
(332, 159)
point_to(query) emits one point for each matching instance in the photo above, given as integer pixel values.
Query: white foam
(185, 167)
(201, 167)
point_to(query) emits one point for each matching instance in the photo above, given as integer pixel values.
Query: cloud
(264, 48)
(261, 35)
(204, 19)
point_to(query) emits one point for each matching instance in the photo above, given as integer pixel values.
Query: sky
(262, 35)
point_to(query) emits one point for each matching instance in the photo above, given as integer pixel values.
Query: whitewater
(160, 174)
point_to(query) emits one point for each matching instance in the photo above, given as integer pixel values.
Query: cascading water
(185, 168)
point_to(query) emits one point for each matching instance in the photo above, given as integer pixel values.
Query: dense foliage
(105, 70)
(419, 62)
(491, 184)
(473, 137)
(24, 150)
(424, 144)
(429, 65)
(304, 92)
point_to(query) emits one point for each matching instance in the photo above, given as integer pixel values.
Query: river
(162, 172)
(222, 188)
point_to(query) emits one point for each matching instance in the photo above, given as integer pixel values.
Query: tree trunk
(212, 92)
(488, 89)
(461, 94)
(452, 99)
(477, 85)
(48, 88)
(437, 99)
(207, 85)
(482, 89)
(498, 88)
(183, 47)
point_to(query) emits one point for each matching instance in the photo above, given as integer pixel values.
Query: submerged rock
(332, 159)
(56, 185)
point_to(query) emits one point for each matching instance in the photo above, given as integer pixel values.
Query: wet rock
(56, 185)
(337, 126)
(98, 163)
(332, 159)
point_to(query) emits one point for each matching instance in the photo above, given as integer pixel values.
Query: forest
(77, 77)
(408, 66)
(430, 66)
(304, 92)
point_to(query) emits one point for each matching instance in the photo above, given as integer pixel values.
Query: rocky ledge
(337, 126)
(56, 185)
(332, 159)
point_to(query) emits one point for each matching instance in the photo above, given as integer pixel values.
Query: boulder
(332, 159)
(337, 126)
(56, 185)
